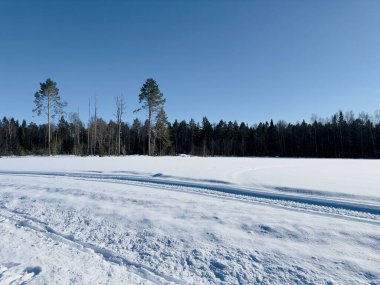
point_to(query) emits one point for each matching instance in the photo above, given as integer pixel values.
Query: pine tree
(48, 101)
(152, 101)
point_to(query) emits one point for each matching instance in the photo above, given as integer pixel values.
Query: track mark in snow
(322, 204)
(221, 263)
(11, 273)
(218, 269)
(24, 221)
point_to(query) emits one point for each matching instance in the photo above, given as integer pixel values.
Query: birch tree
(120, 109)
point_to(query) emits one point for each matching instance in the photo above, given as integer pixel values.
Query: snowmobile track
(316, 203)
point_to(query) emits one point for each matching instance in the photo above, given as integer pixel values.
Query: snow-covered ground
(334, 175)
(189, 220)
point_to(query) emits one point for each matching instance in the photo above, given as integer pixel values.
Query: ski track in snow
(32, 201)
(316, 201)
(23, 221)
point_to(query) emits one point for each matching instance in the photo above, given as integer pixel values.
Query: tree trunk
(119, 138)
(95, 127)
(78, 137)
(149, 130)
(88, 127)
(49, 124)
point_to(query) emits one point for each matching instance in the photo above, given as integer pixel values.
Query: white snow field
(189, 220)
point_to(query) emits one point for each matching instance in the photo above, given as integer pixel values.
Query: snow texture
(189, 220)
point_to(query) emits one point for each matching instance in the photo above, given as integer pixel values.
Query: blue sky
(235, 60)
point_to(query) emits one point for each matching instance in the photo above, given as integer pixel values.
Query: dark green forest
(339, 137)
(343, 135)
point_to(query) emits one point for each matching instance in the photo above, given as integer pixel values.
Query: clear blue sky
(244, 60)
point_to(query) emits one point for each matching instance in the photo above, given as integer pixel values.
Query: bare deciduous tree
(120, 109)
(77, 126)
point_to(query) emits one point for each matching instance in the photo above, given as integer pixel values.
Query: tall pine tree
(48, 101)
(152, 101)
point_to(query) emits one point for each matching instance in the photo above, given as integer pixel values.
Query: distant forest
(339, 137)
(343, 135)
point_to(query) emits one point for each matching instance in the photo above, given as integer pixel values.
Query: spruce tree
(162, 130)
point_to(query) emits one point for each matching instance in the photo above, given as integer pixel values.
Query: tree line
(343, 135)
